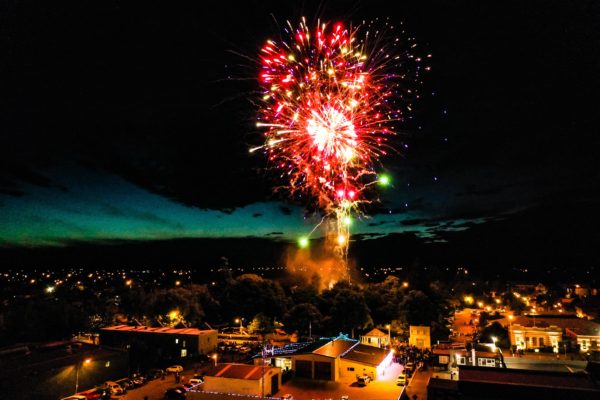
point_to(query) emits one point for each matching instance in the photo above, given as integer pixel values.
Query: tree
(261, 324)
(345, 309)
(495, 329)
(250, 294)
(300, 316)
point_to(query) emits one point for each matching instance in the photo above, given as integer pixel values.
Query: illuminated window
(183, 352)
(176, 341)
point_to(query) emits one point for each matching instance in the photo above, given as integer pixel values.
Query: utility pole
(264, 355)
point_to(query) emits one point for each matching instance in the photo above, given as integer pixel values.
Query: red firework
(331, 98)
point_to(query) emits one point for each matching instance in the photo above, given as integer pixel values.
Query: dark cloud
(139, 215)
(416, 221)
(11, 191)
(14, 175)
(379, 223)
(274, 234)
(285, 210)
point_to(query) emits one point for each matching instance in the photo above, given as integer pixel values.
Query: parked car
(361, 381)
(173, 369)
(154, 374)
(196, 381)
(174, 394)
(126, 384)
(204, 359)
(401, 380)
(75, 397)
(138, 380)
(344, 397)
(96, 394)
(114, 387)
(287, 397)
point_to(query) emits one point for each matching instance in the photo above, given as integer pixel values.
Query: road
(418, 385)
(461, 327)
(544, 363)
(155, 389)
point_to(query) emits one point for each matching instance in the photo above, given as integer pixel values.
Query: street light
(494, 339)
(240, 320)
(215, 358)
(77, 368)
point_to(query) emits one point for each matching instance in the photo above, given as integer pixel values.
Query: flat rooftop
(335, 348)
(165, 330)
(366, 354)
(542, 379)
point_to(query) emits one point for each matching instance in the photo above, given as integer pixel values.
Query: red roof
(239, 371)
(167, 330)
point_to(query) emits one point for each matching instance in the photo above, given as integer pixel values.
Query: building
(538, 331)
(322, 363)
(586, 337)
(535, 337)
(376, 338)
(447, 358)
(169, 342)
(329, 359)
(518, 384)
(243, 379)
(365, 360)
(420, 336)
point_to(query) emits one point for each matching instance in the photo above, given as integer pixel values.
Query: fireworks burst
(332, 97)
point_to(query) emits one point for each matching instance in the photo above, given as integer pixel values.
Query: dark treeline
(263, 304)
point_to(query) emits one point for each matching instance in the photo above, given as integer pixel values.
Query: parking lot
(384, 388)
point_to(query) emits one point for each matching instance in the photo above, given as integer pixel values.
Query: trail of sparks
(331, 99)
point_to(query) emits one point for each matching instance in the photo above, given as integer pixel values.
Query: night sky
(126, 128)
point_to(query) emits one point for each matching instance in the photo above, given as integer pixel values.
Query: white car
(287, 397)
(196, 381)
(174, 368)
(114, 387)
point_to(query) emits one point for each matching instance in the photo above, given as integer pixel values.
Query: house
(243, 379)
(420, 336)
(171, 342)
(376, 338)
